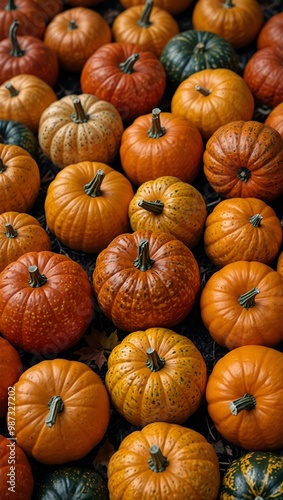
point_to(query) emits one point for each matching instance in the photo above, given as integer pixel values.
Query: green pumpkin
(257, 475)
(18, 134)
(73, 483)
(191, 51)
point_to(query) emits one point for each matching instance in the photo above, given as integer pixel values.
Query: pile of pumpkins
(125, 191)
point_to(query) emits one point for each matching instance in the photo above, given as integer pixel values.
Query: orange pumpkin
(172, 6)
(271, 31)
(28, 13)
(16, 475)
(10, 370)
(279, 264)
(275, 119)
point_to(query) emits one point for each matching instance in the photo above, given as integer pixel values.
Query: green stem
(93, 187)
(255, 220)
(144, 21)
(156, 207)
(228, 4)
(157, 462)
(11, 5)
(10, 231)
(143, 261)
(205, 92)
(79, 115)
(154, 362)
(2, 166)
(13, 92)
(243, 174)
(36, 279)
(55, 405)
(72, 25)
(247, 300)
(16, 50)
(199, 48)
(128, 65)
(156, 130)
(246, 402)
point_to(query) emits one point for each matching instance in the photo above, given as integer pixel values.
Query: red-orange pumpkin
(16, 477)
(10, 370)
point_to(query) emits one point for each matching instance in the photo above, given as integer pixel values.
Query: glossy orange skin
(244, 159)
(275, 119)
(256, 370)
(186, 450)
(279, 264)
(230, 99)
(52, 317)
(271, 32)
(233, 325)
(229, 234)
(73, 47)
(171, 394)
(238, 24)
(172, 6)
(134, 299)
(145, 158)
(24, 481)
(10, 370)
(78, 428)
(29, 14)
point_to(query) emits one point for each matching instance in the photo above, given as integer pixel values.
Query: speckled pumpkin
(22, 482)
(156, 375)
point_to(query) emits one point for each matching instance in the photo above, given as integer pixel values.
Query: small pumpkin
(19, 484)
(271, 32)
(79, 128)
(29, 15)
(14, 132)
(275, 118)
(168, 459)
(62, 411)
(56, 304)
(169, 205)
(11, 368)
(156, 375)
(257, 474)
(145, 278)
(244, 397)
(235, 305)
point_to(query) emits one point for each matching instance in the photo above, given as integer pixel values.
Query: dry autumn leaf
(99, 346)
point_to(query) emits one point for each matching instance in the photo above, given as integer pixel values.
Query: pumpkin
(62, 411)
(243, 159)
(24, 98)
(129, 77)
(279, 263)
(169, 205)
(16, 476)
(29, 15)
(19, 179)
(56, 305)
(263, 74)
(165, 460)
(145, 25)
(271, 32)
(244, 397)
(25, 55)
(150, 148)
(212, 98)
(50, 8)
(10, 370)
(235, 305)
(275, 118)
(79, 128)
(75, 34)
(238, 21)
(20, 233)
(172, 6)
(257, 474)
(192, 50)
(156, 375)
(143, 279)
(71, 482)
(14, 132)
(242, 229)
(83, 201)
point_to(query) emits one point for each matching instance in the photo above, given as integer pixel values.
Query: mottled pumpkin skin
(193, 471)
(256, 474)
(23, 472)
(10, 370)
(171, 393)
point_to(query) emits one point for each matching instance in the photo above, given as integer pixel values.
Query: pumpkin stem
(128, 65)
(246, 402)
(154, 362)
(16, 50)
(13, 92)
(2, 166)
(55, 405)
(36, 279)
(144, 21)
(143, 261)
(79, 115)
(199, 48)
(10, 231)
(255, 220)
(10, 5)
(228, 4)
(243, 174)
(157, 462)
(93, 187)
(202, 90)
(247, 300)
(156, 207)
(156, 130)
(72, 25)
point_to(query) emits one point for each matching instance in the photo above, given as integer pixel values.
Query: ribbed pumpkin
(275, 119)
(11, 368)
(279, 264)
(271, 31)
(21, 483)
(156, 375)
(14, 132)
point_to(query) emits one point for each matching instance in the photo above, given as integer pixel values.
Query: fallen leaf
(99, 346)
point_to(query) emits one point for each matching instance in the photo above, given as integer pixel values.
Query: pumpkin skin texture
(171, 206)
(236, 303)
(257, 474)
(19, 179)
(275, 119)
(14, 132)
(170, 5)
(24, 482)
(67, 412)
(237, 21)
(279, 264)
(243, 159)
(162, 369)
(150, 148)
(242, 229)
(10, 370)
(191, 51)
(143, 279)
(83, 201)
(139, 468)
(80, 128)
(43, 280)
(212, 98)
(131, 78)
(271, 31)
(74, 35)
(29, 15)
